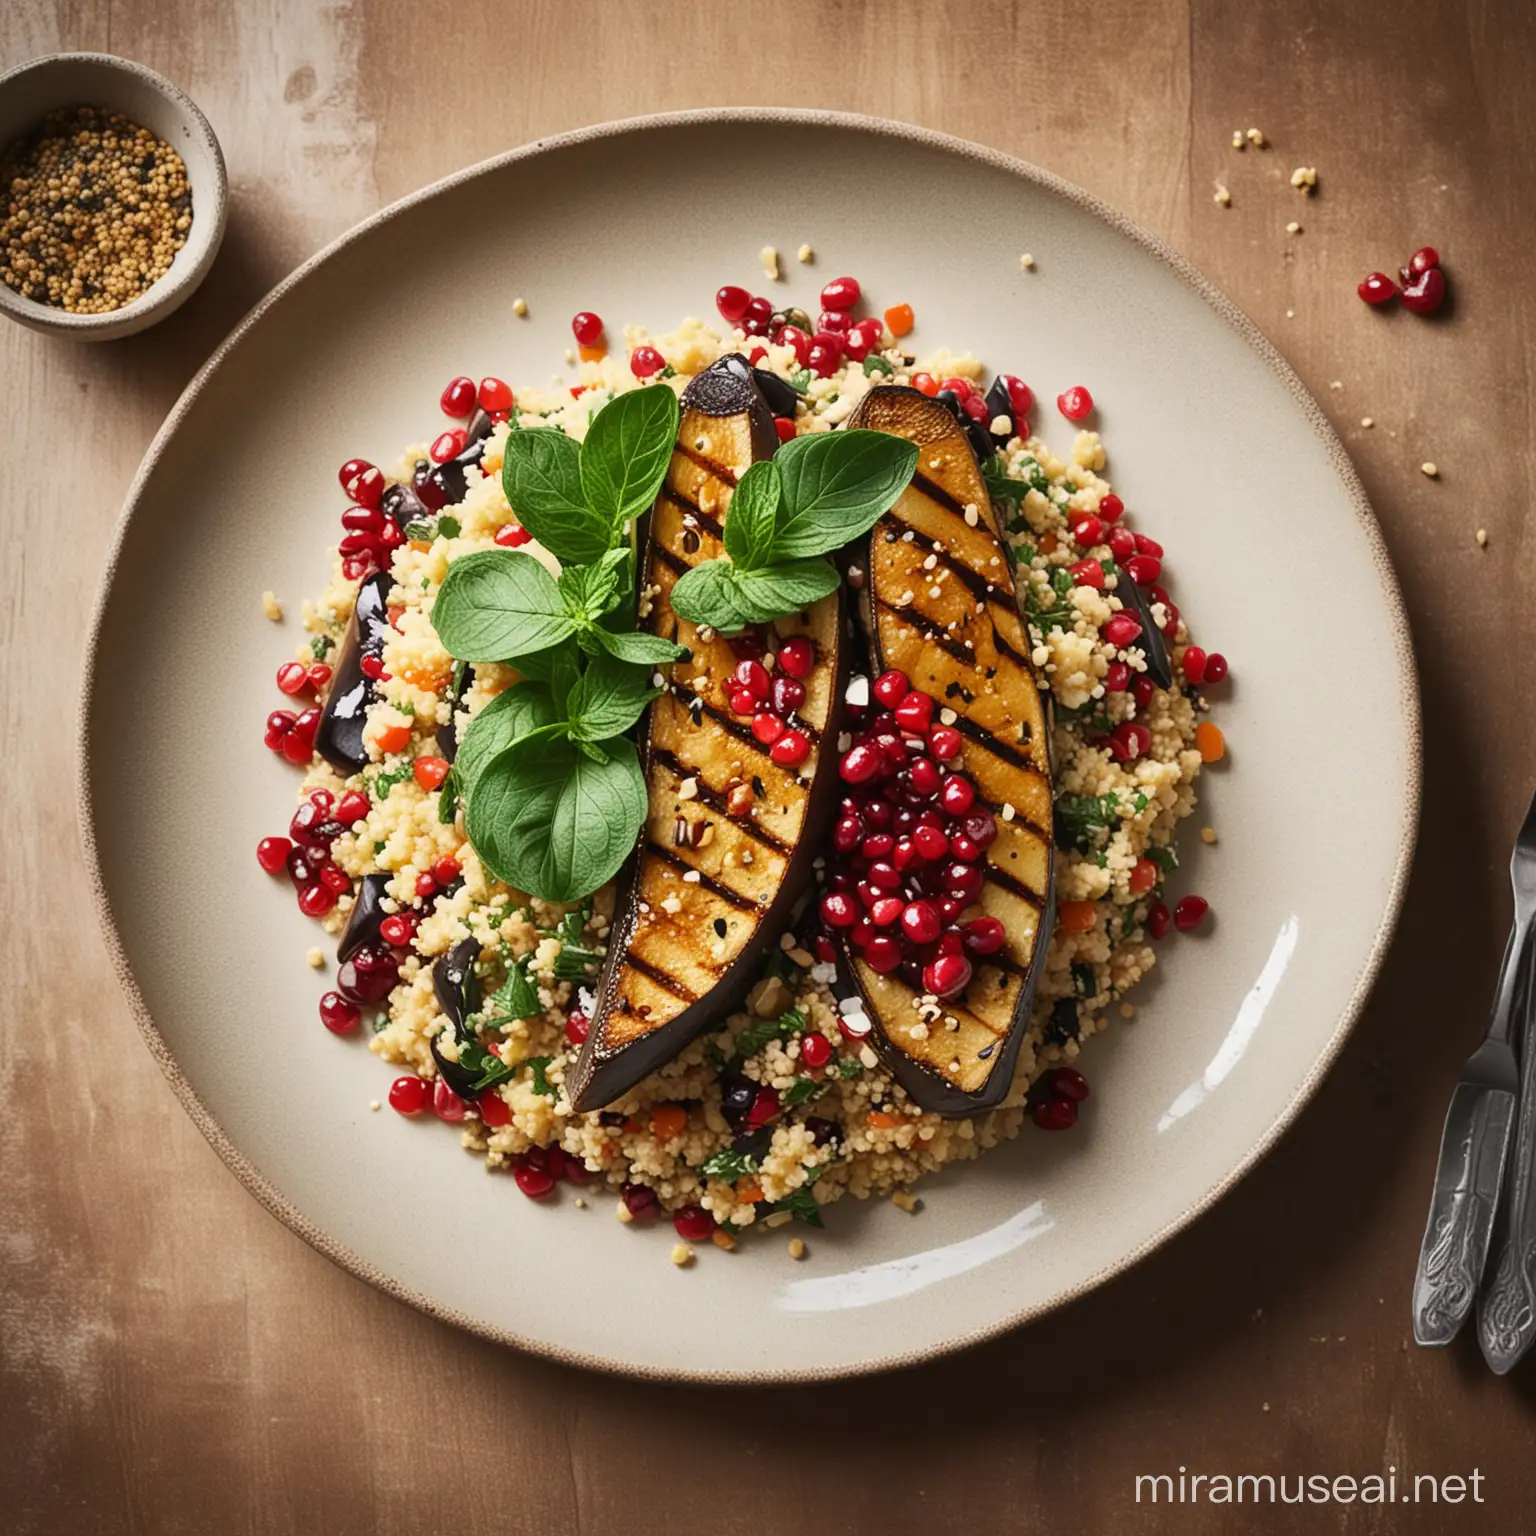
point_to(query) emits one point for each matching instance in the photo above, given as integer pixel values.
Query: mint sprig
(815, 495)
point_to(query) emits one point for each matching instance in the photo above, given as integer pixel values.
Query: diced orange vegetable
(898, 319)
(668, 1120)
(394, 738)
(1048, 542)
(592, 354)
(395, 612)
(430, 772)
(421, 546)
(1210, 742)
(1076, 916)
(1143, 877)
(632, 1125)
(424, 677)
(749, 1192)
(878, 1120)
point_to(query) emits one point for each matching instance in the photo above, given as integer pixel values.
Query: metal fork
(1474, 1147)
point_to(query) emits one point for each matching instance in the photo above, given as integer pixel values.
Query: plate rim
(278, 1204)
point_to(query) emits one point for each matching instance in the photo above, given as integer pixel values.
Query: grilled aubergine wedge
(730, 835)
(969, 649)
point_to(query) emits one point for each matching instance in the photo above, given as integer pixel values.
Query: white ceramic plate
(1214, 445)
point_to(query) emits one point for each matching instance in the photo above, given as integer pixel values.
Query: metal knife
(1506, 1305)
(1475, 1143)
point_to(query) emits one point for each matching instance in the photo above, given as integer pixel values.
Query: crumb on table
(272, 607)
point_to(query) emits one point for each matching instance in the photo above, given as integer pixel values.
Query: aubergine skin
(339, 736)
(457, 990)
(684, 952)
(968, 648)
(365, 917)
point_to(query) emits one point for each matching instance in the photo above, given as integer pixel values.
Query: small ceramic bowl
(30, 91)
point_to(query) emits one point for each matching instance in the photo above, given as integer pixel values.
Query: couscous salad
(747, 776)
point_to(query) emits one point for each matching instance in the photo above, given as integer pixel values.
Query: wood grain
(173, 1360)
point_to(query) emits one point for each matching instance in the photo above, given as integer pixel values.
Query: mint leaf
(524, 707)
(610, 696)
(588, 592)
(537, 1066)
(549, 821)
(799, 1091)
(625, 455)
(710, 594)
(834, 486)
(630, 645)
(1078, 817)
(802, 1205)
(498, 604)
(774, 590)
(541, 475)
(516, 998)
(728, 1164)
(751, 517)
(755, 1036)
(564, 673)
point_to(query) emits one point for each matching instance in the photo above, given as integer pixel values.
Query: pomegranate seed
(944, 742)
(368, 975)
(792, 336)
(446, 1104)
(426, 887)
(838, 910)
(319, 675)
(577, 1025)
(458, 399)
(1117, 677)
(1122, 543)
(767, 728)
(1088, 531)
(1426, 292)
(856, 1027)
(1074, 403)
(732, 303)
(1377, 288)
(841, 293)
(1130, 740)
(765, 1107)
(1056, 1115)
(958, 794)
(1144, 569)
(752, 676)
(693, 1223)
(862, 339)
(1021, 399)
(914, 712)
(272, 853)
(886, 910)
(784, 428)
(877, 813)
(409, 1095)
(338, 1015)
(951, 943)
(1158, 918)
(1423, 259)
(790, 750)
(512, 536)
(877, 845)
(860, 763)
(448, 445)
(1194, 666)
(362, 481)
(836, 322)
(1111, 508)
(925, 383)
(883, 953)
(639, 1199)
(962, 389)
(362, 520)
(740, 699)
(446, 871)
(1190, 913)
(317, 899)
(759, 313)
(826, 354)
(847, 834)
(981, 827)
(1146, 546)
(587, 328)
(931, 843)
(1142, 690)
(335, 880)
(292, 677)
(797, 656)
(965, 848)
(534, 1180)
(1121, 629)
(397, 930)
(494, 395)
(1087, 573)
(1067, 1083)
(963, 881)
(924, 776)
(815, 1050)
(947, 976)
(1215, 667)
(920, 922)
(355, 569)
(788, 694)
(983, 936)
(646, 361)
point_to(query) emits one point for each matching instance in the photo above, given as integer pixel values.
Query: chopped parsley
(874, 364)
(755, 1036)
(727, 1164)
(847, 1066)
(1165, 859)
(799, 1091)
(1083, 982)
(318, 647)
(1080, 817)
(536, 1066)
(802, 1205)
(574, 963)
(385, 782)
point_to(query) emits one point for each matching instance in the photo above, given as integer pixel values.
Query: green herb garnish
(847, 1066)
(799, 1091)
(386, 780)
(728, 1164)
(802, 1205)
(755, 1036)
(1079, 817)
(536, 1067)
(1083, 982)
(817, 493)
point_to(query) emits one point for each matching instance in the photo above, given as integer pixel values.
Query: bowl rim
(285, 1211)
(165, 291)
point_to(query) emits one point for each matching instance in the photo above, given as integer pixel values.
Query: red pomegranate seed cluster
(368, 537)
(1421, 284)
(769, 689)
(913, 837)
(1054, 1099)
(837, 336)
(292, 736)
(306, 852)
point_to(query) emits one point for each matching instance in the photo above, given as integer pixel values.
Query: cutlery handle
(1461, 1213)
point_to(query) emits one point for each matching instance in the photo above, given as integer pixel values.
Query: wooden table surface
(174, 1360)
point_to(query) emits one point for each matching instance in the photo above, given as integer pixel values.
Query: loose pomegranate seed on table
(841, 293)
(1215, 667)
(732, 303)
(338, 1015)
(492, 1109)
(410, 1095)
(1377, 288)
(1074, 403)
(534, 1179)
(1425, 293)
(494, 395)
(1056, 1114)
(587, 328)
(446, 1104)
(292, 677)
(458, 399)
(693, 1223)
(1189, 912)
(272, 853)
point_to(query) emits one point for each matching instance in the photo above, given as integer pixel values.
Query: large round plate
(1212, 441)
